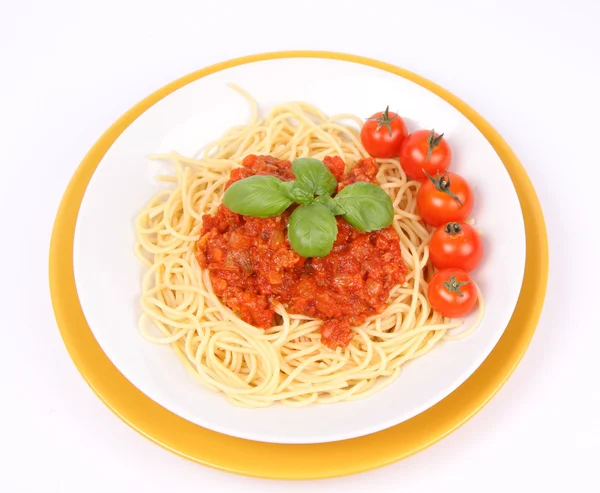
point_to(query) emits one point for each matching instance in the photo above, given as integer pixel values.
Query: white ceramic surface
(108, 275)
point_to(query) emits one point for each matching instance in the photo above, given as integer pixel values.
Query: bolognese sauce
(252, 265)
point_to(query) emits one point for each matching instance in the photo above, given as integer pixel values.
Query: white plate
(108, 275)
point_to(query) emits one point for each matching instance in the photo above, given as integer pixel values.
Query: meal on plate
(305, 258)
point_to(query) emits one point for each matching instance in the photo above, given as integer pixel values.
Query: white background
(68, 69)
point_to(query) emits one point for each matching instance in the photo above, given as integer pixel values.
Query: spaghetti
(254, 367)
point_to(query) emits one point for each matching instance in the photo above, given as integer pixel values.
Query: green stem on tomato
(453, 228)
(385, 120)
(432, 143)
(442, 184)
(454, 287)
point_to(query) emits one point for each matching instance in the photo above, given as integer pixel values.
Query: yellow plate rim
(281, 461)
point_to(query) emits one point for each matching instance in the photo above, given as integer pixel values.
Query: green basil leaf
(331, 204)
(312, 230)
(257, 196)
(298, 191)
(367, 206)
(315, 174)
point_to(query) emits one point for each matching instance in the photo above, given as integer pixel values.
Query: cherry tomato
(445, 198)
(452, 293)
(383, 133)
(455, 245)
(424, 150)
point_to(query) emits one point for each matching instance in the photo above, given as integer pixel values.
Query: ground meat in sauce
(251, 264)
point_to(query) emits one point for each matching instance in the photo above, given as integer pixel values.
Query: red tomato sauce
(252, 265)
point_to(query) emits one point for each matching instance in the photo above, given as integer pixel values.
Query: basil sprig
(312, 228)
(258, 196)
(300, 192)
(366, 206)
(333, 205)
(315, 174)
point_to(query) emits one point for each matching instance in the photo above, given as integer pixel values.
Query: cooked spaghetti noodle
(254, 367)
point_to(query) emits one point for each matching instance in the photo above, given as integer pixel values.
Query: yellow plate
(293, 461)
